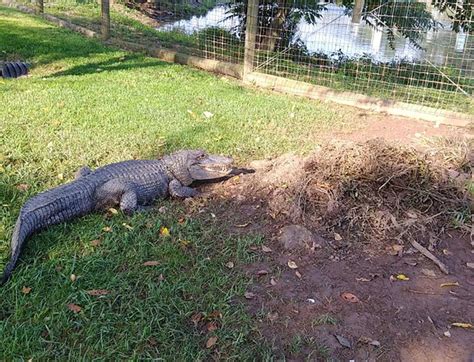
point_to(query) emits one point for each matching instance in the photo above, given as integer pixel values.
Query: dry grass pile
(374, 191)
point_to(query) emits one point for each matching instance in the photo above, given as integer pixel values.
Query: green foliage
(460, 13)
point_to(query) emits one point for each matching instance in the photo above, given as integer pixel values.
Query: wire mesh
(415, 51)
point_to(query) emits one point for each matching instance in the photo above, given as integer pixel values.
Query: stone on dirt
(296, 237)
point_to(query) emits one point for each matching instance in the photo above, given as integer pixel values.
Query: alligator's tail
(51, 207)
(20, 233)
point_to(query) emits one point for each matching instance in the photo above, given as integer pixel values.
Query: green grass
(88, 104)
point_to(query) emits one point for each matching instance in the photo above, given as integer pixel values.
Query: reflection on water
(335, 32)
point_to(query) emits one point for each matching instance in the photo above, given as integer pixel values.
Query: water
(335, 32)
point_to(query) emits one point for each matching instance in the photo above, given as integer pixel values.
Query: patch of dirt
(399, 306)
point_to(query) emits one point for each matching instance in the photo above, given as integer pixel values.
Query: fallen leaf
(126, 226)
(107, 229)
(196, 318)
(184, 243)
(292, 264)
(211, 326)
(349, 297)
(95, 242)
(428, 272)
(272, 317)
(337, 237)
(26, 290)
(249, 295)
(298, 274)
(242, 225)
(113, 211)
(151, 263)
(273, 282)
(98, 292)
(214, 315)
(262, 272)
(74, 307)
(73, 277)
(164, 231)
(397, 247)
(402, 277)
(462, 325)
(266, 249)
(450, 284)
(181, 220)
(343, 341)
(370, 341)
(22, 187)
(230, 265)
(211, 342)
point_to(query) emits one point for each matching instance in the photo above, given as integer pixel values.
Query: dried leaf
(450, 284)
(402, 277)
(272, 317)
(249, 295)
(230, 265)
(184, 243)
(262, 272)
(107, 229)
(60, 176)
(98, 292)
(337, 237)
(211, 326)
(22, 187)
(343, 341)
(164, 231)
(242, 225)
(266, 249)
(397, 247)
(181, 220)
(462, 325)
(298, 274)
(428, 272)
(273, 282)
(95, 242)
(211, 342)
(74, 307)
(292, 264)
(196, 318)
(151, 263)
(113, 211)
(126, 226)
(349, 297)
(214, 315)
(26, 290)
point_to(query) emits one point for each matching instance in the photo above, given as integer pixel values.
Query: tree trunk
(272, 34)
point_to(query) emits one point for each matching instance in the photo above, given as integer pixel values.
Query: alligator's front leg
(176, 189)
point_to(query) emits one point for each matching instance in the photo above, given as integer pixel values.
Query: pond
(335, 32)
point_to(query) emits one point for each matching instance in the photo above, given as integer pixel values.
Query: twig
(430, 256)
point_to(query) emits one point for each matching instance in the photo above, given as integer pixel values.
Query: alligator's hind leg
(83, 171)
(116, 192)
(178, 190)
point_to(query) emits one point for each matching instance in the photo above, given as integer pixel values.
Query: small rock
(295, 236)
(470, 265)
(447, 334)
(163, 209)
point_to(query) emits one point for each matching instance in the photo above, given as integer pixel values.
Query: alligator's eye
(201, 156)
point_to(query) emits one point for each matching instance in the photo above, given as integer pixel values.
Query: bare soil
(300, 301)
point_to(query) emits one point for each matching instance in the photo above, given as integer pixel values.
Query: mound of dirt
(373, 193)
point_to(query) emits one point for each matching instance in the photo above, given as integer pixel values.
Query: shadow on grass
(127, 62)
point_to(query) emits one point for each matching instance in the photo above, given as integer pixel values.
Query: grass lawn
(88, 104)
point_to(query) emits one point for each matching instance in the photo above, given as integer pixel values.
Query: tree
(278, 19)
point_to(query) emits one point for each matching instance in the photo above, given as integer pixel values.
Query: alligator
(133, 185)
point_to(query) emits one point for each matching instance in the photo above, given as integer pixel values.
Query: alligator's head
(194, 165)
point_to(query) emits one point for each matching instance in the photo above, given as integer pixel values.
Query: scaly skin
(130, 184)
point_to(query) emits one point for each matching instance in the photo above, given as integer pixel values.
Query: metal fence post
(40, 6)
(250, 36)
(105, 19)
